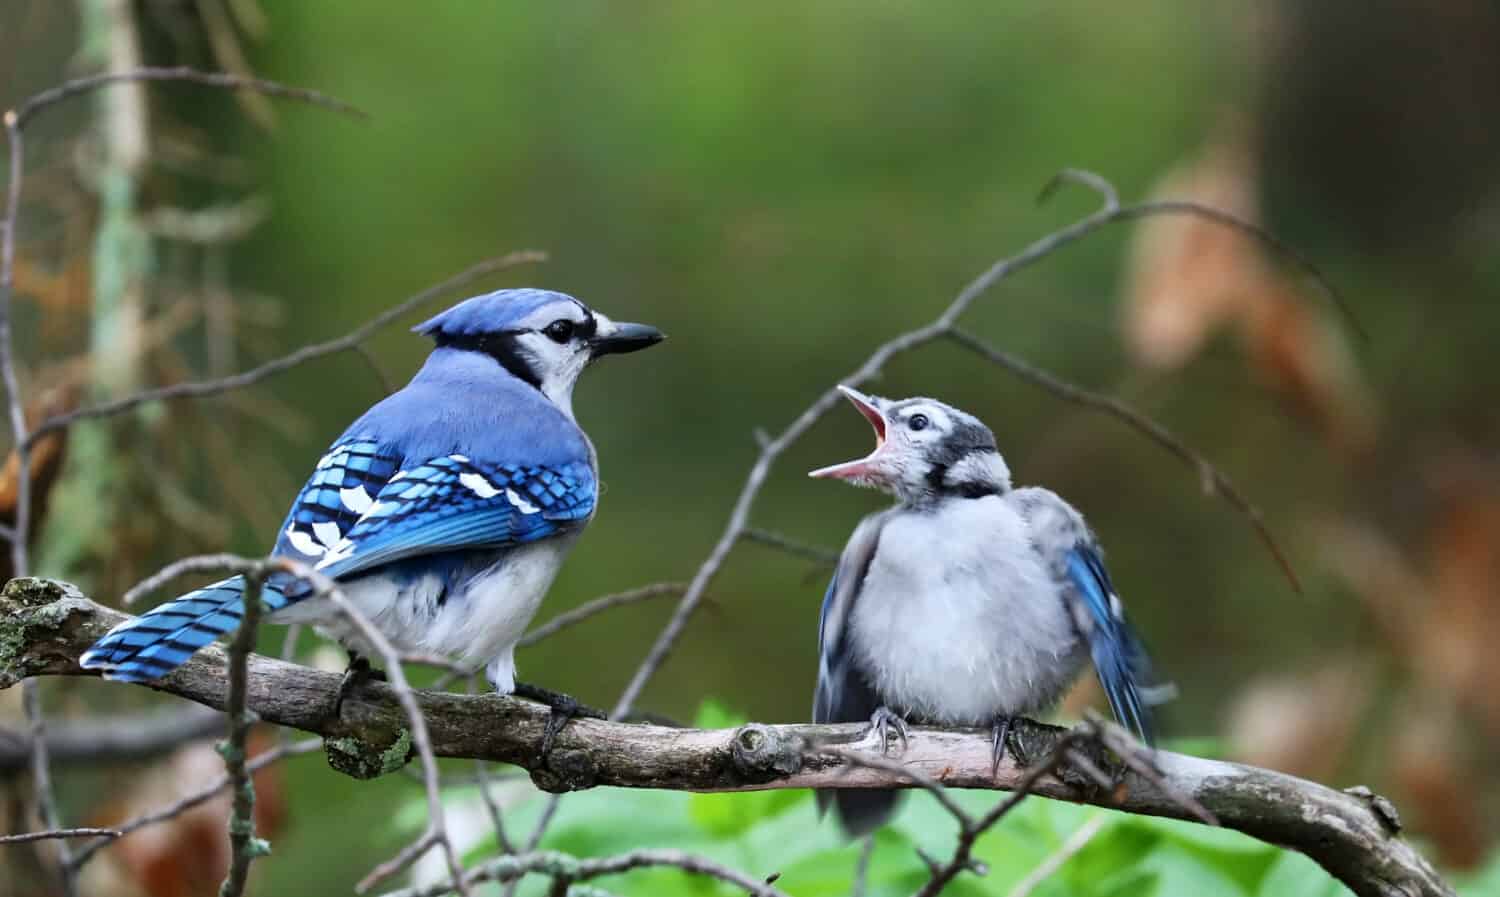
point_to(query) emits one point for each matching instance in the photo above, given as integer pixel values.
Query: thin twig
(826, 557)
(437, 829)
(597, 606)
(14, 404)
(968, 835)
(1141, 760)
(373, 363)
(182, 805)
(28, 837)
(569, 869)
(37, 102)
(116, 738)
(201, 563)
(894, 767)
(243, 845)
(1213, 480)
(483, 780)
(1066, 851)
(31, 698)
(201, 388)
(1111, 198)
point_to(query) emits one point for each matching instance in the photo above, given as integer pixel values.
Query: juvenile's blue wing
(1119, 657)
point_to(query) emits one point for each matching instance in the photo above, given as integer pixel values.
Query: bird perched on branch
(968, 603)
(443, 513)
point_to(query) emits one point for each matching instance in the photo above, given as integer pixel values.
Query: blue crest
(498, 312)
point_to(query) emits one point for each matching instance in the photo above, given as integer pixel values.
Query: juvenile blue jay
(968, 603)
(444, 512)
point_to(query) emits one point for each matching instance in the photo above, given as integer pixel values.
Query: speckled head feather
(925, 450)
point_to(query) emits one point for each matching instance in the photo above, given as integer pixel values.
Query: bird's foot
(356, 674)
(564, 708)
(883, 722)
(999, 741)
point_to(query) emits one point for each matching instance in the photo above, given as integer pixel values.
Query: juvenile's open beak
(622, 336)
(865, 467)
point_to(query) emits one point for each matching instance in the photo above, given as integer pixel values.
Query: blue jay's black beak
(621, 336)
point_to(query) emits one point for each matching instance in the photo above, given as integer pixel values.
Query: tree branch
(45, 625)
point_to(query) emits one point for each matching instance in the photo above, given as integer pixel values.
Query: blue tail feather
(154, 644)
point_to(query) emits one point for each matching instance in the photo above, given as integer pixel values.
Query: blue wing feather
(1118, 655)
(455, 502)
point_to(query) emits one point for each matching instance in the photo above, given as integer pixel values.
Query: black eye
(918, 422)
(559, 331)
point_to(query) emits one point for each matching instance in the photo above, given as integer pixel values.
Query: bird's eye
(918, 422)
(559, 331)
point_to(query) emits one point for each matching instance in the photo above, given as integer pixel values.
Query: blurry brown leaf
(1436, 784)
(1295, 347)
(1191, 278)
(1463, 621)
(1301, 724)
(1442, 621)
(188, 855)
(46, 462)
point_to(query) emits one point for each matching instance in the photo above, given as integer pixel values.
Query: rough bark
(1354, 834)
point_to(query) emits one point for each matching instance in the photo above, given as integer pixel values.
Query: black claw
(884, 721)
(999, 740)
(564, 708)
(356, 674)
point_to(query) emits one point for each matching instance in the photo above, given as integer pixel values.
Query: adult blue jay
(968, 603)
(444, 512)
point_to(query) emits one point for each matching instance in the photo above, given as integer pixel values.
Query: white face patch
(478, 485)
(557, 366)
(980, 467)
(356, 499)
(522, 505)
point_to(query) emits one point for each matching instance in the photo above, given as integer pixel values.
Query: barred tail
(161, 640)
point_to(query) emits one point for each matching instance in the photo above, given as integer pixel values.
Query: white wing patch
(478, 485)
(338, 552)
(303, 542)
(327, 532)
(462, 459)
(356, 499)
(522, 505)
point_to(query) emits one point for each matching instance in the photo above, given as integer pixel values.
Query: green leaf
(1294, 875)
(714, 714)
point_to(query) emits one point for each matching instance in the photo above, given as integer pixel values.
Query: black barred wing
(341, 490)
(454, 502)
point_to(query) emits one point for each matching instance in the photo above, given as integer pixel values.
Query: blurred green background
(782, 186)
